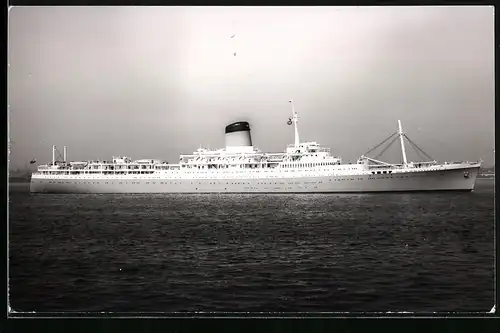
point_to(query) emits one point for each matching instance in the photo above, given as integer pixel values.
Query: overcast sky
(155, 82)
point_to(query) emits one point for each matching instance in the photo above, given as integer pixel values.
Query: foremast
(394, 136)
(295, 119)
(401, 134)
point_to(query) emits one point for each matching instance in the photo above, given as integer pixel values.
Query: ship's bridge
(311, 152)
(121, 160)
(306, 147)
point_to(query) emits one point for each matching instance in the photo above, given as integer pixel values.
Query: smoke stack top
(238, 136)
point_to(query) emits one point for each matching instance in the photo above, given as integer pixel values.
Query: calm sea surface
(320, 252)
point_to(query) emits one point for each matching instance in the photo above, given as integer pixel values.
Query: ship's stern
(37, 184)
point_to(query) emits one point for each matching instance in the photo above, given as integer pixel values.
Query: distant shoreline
(19, 179)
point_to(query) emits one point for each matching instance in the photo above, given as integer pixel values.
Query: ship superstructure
(240, 167)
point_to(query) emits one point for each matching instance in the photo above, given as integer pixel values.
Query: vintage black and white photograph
(251, 159)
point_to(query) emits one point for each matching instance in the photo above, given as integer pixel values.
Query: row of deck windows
(381, 172)
(208, 166)
(143, 172)
(212, 183)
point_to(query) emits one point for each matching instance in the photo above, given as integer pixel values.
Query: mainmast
(402, 142)
(295, 119)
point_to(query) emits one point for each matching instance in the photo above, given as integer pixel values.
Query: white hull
(436, 180)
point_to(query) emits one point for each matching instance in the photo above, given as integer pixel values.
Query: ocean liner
(304, 167)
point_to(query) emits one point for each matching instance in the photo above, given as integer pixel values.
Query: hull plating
(462, 179)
